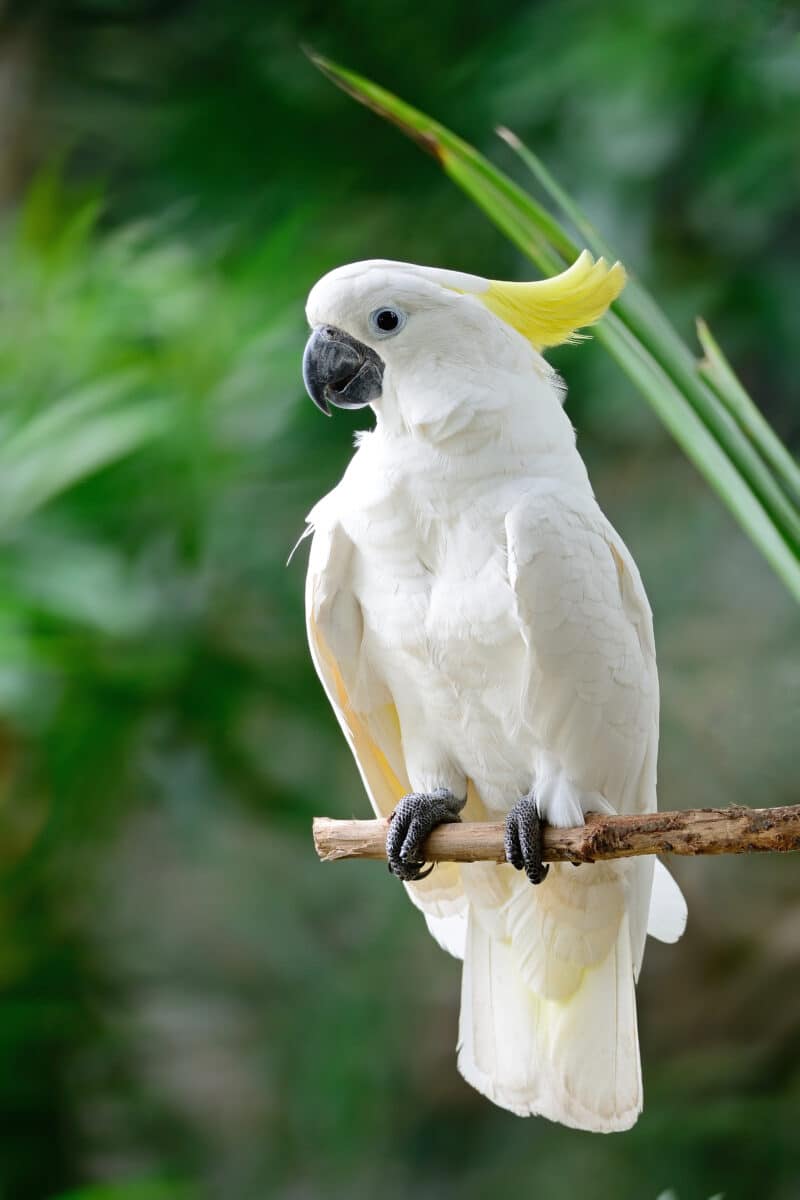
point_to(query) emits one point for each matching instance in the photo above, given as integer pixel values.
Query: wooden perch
(732, 830)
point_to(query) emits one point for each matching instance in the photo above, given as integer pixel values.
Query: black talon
(523, 840)
(415, 816)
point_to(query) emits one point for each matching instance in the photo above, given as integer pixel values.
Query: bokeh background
(190, 1005)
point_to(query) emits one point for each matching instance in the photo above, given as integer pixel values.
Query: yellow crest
(550, 311)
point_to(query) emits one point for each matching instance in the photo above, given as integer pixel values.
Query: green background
(190, 1005)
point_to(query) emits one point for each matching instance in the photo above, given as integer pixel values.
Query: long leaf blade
(720, 374)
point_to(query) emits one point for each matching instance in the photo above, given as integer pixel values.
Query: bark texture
(733, 830)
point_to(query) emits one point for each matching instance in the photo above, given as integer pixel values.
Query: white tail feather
(575, 1061)
(449, 932)
(666, 920)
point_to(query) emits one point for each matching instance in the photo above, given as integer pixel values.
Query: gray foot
(415, 816)
(523, 840)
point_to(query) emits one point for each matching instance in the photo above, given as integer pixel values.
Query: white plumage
(478, 625)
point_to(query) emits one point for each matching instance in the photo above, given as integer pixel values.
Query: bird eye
(386, 321)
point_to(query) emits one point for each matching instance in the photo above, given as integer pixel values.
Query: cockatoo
(486, 643)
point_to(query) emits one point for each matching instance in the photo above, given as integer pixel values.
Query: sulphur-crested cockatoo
(486, 643)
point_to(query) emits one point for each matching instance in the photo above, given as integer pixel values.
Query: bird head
(378, 326)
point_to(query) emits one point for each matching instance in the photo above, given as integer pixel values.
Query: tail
(574, 1060)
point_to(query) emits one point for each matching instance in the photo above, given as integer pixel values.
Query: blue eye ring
(386, 321)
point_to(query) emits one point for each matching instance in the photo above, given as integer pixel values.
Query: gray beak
(339, 370)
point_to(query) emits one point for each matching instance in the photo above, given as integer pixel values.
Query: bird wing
(591, 702)
(591, 684)
(366, 712)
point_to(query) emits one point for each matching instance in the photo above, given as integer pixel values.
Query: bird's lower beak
(339, 370)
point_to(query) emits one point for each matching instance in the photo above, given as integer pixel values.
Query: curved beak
(339, 370)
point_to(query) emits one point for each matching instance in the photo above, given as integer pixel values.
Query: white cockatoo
(486, 643)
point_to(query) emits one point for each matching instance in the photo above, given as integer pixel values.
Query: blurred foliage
(191, 1006)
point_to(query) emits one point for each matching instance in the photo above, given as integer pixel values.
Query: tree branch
(734, 830)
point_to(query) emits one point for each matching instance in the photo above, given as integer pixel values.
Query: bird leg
(523, 839)
(415, 817)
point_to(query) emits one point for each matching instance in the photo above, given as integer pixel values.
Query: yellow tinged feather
(367, 752)
(618, 563)
(440, 893)
(550, 311)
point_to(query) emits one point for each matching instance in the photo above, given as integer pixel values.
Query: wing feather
(592, 699)
(366, 711)
(592, 690)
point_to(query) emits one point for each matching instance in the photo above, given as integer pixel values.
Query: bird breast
(439, 614)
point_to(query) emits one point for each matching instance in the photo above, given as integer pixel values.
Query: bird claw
(415, 817)
(523, 840)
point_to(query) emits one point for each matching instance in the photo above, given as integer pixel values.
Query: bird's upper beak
(339, 370)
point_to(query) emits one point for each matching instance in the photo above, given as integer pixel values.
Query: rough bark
(732, 830)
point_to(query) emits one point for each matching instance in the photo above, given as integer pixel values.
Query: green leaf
(719, 373)
(497, 194)
(80, 434)
(143, 1189)
(700, 447)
